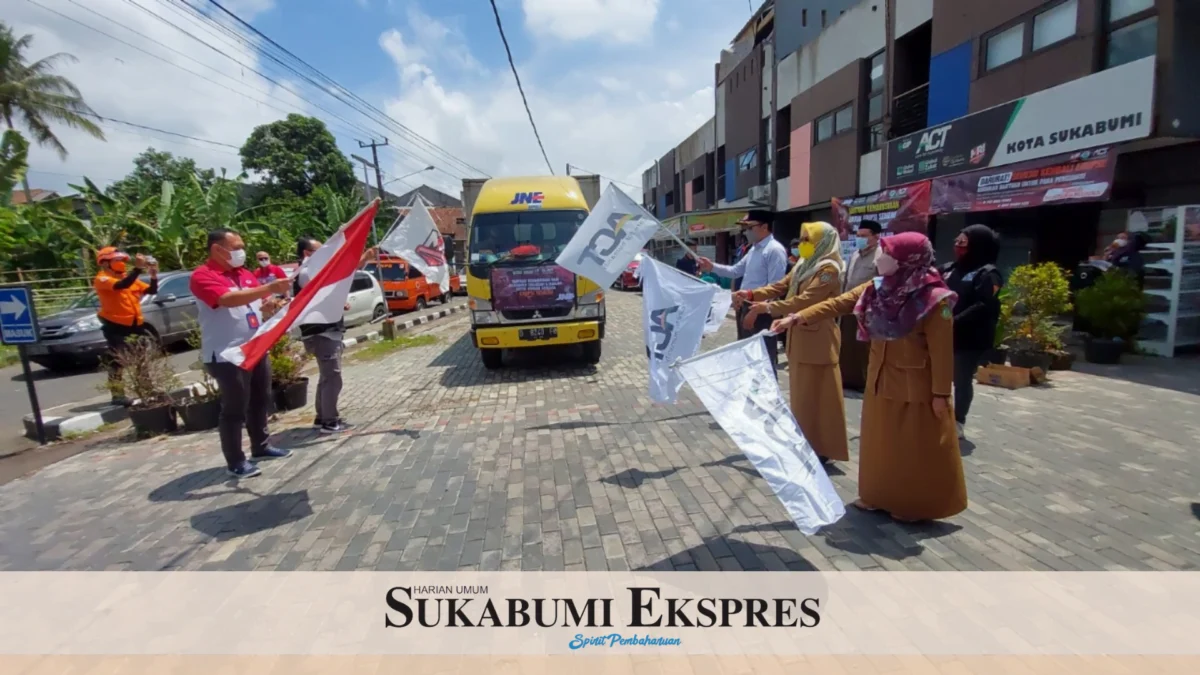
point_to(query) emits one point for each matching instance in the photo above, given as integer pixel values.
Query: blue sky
(612, 83)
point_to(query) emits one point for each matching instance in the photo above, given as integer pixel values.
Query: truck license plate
(534, 334)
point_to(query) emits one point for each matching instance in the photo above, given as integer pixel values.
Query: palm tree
(32, 92)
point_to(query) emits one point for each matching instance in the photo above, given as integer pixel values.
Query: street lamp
(410, 175)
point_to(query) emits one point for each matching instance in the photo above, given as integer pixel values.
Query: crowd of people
(886, 322)
(232, 302)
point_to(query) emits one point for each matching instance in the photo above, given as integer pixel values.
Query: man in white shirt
(862, 268)
(764, 264)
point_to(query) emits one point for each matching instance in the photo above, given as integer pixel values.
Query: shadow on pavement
(632, 478)
(193, 487)
(256, 515)
(966, 448)
(465, 369)
(859, 532)
(734, 462)
(1196, 510)
(1181, 374)
(729, 554)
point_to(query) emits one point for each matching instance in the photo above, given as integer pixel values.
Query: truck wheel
(591, 352)
(492, 358)
(421, 304)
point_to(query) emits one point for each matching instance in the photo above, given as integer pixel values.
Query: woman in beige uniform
(909, 460)
(812, 349)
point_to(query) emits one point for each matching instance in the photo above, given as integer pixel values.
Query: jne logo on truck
(532, 199)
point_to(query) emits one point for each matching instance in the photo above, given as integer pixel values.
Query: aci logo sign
(933, 140)
(17, 326)
(614, 233)
(531, 199)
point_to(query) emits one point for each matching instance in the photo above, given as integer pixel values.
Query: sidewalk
(94, 410)
(548, 464)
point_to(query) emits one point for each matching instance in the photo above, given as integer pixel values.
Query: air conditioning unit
(760, 194)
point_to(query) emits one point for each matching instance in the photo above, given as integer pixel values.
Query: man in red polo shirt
(230, 310)
(267, 271)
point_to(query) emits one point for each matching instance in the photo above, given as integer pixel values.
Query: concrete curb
(58, 427)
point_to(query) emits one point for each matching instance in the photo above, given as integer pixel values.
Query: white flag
(415, 238)
(674, 307)
(737, 384)
(607, 241)
(721, 302)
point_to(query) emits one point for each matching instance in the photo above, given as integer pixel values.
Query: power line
(511, 64)
(611, 180)
(144, 127)
(389, 120)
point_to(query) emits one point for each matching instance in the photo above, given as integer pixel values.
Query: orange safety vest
(123, 306)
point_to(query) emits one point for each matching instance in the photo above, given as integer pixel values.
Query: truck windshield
(522, 237)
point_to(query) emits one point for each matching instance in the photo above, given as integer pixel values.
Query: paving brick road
(567, 467)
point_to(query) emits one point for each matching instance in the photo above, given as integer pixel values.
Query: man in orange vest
(120, 293)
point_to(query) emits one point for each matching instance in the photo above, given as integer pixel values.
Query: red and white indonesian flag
(415, 238)
(330, 271)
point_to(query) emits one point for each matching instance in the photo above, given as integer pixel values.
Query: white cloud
(608, 116)
(122, 83)
(248, 9)
(619, 20)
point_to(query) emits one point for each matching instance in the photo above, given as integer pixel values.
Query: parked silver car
(72, 338)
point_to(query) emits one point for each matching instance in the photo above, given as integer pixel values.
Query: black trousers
(117, 336)
(966, 363)
(245, 402)
(761, 322)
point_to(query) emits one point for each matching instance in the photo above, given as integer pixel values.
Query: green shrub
(1034, 296)
(1113, 307)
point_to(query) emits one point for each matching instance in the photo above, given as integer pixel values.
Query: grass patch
(380, 349)
(8, 356)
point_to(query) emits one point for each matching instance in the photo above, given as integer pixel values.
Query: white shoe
(962, 431)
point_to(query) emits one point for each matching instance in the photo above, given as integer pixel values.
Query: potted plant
(289, 387)
(201, 410)
(1113, 308)
(1037, 295)
(999, 352)
(148, 378)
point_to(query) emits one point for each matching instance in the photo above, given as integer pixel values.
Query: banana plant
(14, 161)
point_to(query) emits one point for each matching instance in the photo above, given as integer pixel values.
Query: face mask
(118, 266)
(796, 252)
(860, 243)
(750, 236)
(1120, 242)
(264, 263)
(807, 249)
(960, 252)
(887, 265)
(237, 258)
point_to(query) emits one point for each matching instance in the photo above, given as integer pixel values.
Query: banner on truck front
(675, 309)
(609, 239)
(415, 238)
(738, 386)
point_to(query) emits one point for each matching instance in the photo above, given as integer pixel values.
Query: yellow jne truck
(519, 298)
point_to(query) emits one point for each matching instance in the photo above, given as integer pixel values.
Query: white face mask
(886, 265)
(237, 258)
(1120, 242)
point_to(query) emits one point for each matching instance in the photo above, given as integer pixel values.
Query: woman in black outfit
(974, 277)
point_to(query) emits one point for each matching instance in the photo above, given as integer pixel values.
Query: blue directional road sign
(17, 323)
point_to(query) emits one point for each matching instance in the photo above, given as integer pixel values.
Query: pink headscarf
(890, 309)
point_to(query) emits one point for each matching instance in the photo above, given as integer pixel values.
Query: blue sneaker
(270, 452)
(246, 470)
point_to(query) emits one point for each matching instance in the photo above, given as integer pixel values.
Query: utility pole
(375, 159)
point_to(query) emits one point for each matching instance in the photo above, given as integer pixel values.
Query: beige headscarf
(827, 252)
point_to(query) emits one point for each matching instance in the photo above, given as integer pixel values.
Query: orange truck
(405, 288)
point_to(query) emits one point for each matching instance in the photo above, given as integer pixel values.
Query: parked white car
(365, 300)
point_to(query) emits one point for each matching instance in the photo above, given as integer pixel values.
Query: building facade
(813, 98)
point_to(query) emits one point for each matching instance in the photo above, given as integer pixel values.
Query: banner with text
(1080, 177)
(614, 233)
(675, 307)
(1109, 107)
(901, 209)
(532, 288)
(738, 385)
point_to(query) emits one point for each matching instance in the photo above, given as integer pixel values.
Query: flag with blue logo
(675, 307)
(614, 233)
